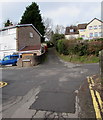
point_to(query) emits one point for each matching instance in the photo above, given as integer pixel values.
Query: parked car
(10, 59)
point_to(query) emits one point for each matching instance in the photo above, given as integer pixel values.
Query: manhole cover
(55, 101)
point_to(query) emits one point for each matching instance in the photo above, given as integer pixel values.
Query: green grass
(79, 59)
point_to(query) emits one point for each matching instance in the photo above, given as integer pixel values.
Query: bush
(60, 46)
(83, 49)
(69, 47)
(94, 47)
(57, 37)
(80, 38)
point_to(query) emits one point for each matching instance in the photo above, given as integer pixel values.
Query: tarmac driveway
(48, 90)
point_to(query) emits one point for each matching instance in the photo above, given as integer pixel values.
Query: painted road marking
(99, 100)
(2, 84)
(95, 103)
(98, 96)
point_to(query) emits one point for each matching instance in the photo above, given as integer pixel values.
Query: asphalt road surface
(48, 90)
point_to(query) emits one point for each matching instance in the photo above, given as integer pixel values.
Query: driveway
(49, 90)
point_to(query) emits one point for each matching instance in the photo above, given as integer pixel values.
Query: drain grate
(55, 101)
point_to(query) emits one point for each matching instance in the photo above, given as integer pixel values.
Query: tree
(32, 16)
(8, 23)
(48, 28)
(57, 37)
(59, 29)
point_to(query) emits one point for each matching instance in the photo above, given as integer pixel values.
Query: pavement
(54, 89)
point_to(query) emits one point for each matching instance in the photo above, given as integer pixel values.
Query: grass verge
(79, 59)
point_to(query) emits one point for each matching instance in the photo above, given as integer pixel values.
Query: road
(48, 90)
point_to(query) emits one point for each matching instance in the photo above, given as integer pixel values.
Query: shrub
(60, 46)
(68, 47)
(80, 38)
(57, 37)
(94, 47)
(83, 49)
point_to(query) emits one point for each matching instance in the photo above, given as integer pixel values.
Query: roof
(29, 48)
(75, 30)
(21, 25)
(95, 19)
(82, 26)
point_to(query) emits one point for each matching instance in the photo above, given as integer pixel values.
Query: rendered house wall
(93, 30)
(7, 42)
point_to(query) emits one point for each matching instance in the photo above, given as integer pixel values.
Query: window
(82, 30)
(82, 36)
(91, 34)
(13, 57)
(90, 27)
(31, 35)
(99, 26)
(95, 34)
(71, 30)
(100, 34)
(6, 58)
(95, 27)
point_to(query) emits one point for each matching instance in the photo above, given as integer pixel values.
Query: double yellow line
(2, 84)
(97, 101)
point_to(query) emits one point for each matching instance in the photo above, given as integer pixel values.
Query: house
(91, 30)
(16, 38)
(82, 30)
(71, 32)
(94, 29)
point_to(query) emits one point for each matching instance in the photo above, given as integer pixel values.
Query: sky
(64, 12)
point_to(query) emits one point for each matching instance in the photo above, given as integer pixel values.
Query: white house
(91, 30)
(71, 32)
(15, 38)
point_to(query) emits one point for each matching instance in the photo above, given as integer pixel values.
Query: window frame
(90, 35)
(90, 27)
(95, 27)
(31, 35)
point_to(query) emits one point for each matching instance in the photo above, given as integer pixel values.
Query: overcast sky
(62, 13)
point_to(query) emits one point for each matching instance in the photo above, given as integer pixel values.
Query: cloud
(63, 14)
(73, 13)
(93, 10)
(63, 11)
(0, 14)
(51, 1)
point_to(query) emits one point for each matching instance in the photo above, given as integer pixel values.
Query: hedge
(68, 47)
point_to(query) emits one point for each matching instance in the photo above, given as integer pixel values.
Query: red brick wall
(24, 39)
